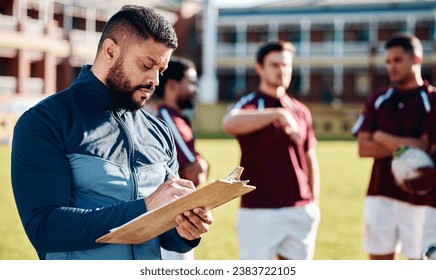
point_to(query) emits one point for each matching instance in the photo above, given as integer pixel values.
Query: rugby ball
(406, 160)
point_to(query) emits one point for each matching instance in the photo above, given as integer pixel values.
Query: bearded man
(88, 159)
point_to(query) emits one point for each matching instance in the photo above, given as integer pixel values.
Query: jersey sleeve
(367, 119)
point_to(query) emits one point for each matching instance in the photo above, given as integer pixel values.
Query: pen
(171, 172)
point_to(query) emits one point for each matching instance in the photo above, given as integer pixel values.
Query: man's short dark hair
(275, 46)
(177, 67)
(410, 43)
(137, 23)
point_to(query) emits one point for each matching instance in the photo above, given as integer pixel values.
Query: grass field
(344, 178)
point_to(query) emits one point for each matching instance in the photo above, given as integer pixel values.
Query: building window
(59, 18)
(356, 33)
(227, 35)
(290, 33)
(321, 33)
(386, 30)
(424, 30)
(256, 34)
(99, 25)
(33, 13)
(79, 23)
(6, 8)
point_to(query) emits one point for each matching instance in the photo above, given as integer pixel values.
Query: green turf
(344, 178)
(14, 244)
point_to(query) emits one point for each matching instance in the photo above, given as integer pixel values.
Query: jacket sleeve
(172, 241)
(41, 182)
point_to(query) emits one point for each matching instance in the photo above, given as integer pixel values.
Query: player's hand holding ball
(413, 170)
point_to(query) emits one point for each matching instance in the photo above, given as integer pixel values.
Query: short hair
(177, 67)
(410, 43)
(138, 23)
(268, 47)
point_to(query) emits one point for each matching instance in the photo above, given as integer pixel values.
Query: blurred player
(394, 116)
(177, 91)
(280, 218)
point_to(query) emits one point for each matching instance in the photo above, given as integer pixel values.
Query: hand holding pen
(190, 224)
(171, 173)
(169, 190)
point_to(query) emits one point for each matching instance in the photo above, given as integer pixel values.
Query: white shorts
(392, 226)
(170, 255)
(289, 232)
(429, 227)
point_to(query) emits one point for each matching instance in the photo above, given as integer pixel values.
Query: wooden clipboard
(162, 219)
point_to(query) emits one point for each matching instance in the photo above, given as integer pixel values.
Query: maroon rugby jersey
(402, 113)
(272, 162)
(183, 135)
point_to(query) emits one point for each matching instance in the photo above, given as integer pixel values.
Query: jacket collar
(90, 85)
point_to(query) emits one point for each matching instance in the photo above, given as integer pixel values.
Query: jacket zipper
(130, 164)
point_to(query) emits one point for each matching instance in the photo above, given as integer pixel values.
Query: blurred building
(339, 44)
(340, 50)
(44, 43)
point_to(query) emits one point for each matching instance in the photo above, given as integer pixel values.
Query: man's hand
(194, 223)
(191, 224)
(167, 192)
(423, 183)
(289, 125)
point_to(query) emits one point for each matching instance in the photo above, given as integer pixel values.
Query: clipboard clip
(235, 176)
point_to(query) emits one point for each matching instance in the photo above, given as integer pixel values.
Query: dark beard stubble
(121, 89)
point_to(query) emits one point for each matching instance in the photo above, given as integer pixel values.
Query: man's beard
(187, 103)
(121, 90)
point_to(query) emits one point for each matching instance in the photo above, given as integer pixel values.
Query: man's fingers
(186, 229)
(183, 183)
(199, 224)
(206, 216)
(193, 224)
(170, 190)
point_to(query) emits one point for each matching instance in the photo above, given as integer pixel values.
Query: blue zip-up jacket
(81, 168)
